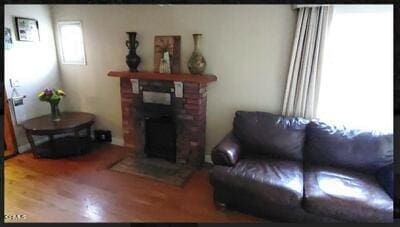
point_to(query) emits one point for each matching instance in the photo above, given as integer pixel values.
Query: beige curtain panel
(302, 85)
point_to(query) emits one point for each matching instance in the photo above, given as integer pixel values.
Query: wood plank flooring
(83, 189)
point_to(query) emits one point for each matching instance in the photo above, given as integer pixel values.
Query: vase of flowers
(53, 97)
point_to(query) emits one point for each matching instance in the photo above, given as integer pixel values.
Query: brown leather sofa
(293, 170)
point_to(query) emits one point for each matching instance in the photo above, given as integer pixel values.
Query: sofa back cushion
(352, 149)
(269, 134)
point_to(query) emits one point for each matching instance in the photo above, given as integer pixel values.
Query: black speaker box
(102, 135)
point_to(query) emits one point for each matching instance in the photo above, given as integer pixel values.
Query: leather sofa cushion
(352, 149)
(270, 134)
(346, 195)
(273, 181)
(249, 204)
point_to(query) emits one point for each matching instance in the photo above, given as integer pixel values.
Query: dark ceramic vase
(132, 59)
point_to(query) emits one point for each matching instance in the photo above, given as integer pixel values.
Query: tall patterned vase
(196, 63)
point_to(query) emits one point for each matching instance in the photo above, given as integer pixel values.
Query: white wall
(34, 64)
(247, 47)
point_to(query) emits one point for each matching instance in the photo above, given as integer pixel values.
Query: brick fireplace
(183, 99)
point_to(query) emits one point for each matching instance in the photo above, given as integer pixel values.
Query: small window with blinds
(71, 45)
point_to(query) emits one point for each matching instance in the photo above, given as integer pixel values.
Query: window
(357, 74)
(71, 42)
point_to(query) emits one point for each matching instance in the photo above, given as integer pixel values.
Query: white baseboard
(117, 141)
(120, 142)
(26, 147)
(207, 158)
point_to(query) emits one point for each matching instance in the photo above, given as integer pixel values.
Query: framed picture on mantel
(167, 54)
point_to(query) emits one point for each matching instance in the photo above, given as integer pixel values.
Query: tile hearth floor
(83, 189)
(159, 169)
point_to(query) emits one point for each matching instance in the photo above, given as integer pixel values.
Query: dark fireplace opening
(160, 138)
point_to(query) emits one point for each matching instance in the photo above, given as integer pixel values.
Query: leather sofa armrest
(385, 178)
(227, 151)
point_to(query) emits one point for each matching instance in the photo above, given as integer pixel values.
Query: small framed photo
(7, 38)
(27, 29)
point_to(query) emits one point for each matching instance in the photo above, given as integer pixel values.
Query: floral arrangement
(51, 95)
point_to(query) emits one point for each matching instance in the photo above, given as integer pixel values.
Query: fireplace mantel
(183, 77)
(187, 108)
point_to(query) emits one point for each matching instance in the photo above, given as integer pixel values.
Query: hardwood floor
(83, 189)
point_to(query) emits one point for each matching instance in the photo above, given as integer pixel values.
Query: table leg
(77, 142)
(88, 135)
(32, 143)
(52, 144)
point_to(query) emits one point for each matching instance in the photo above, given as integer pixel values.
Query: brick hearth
(189, 113)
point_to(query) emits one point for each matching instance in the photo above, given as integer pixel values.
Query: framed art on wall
(27, 29)
(7, 38)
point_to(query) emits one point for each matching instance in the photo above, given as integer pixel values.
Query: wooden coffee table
(71, 122)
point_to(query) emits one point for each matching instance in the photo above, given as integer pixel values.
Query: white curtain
(302, 85)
